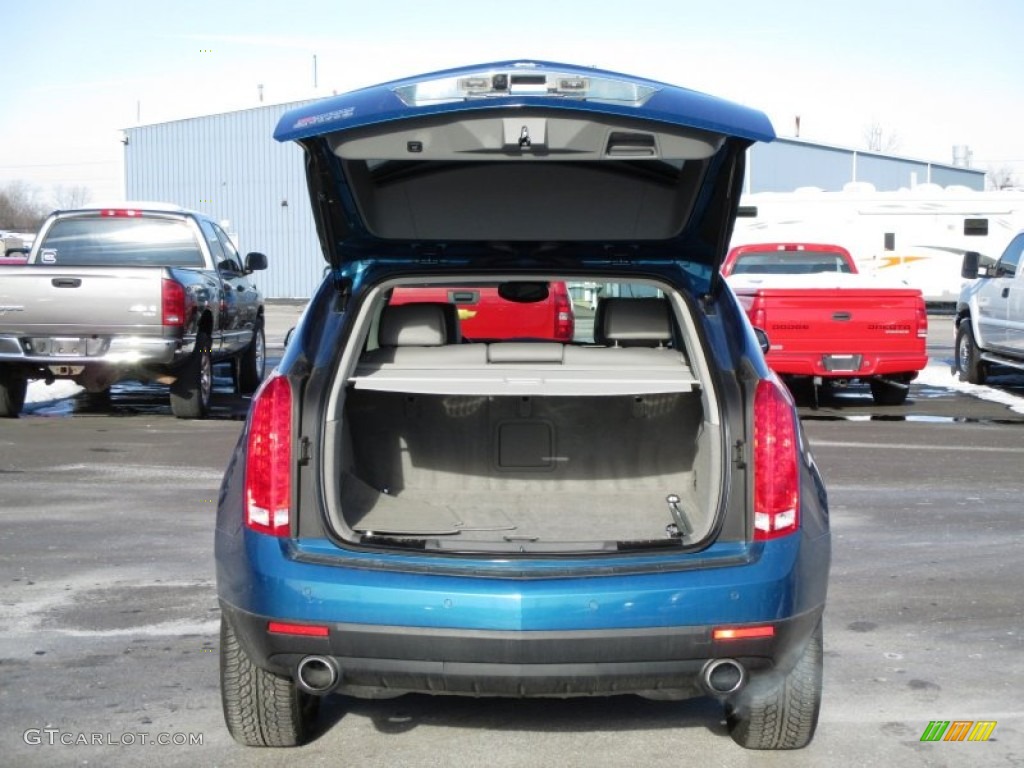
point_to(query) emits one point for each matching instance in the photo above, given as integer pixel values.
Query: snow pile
(939, 375)
(41, 392)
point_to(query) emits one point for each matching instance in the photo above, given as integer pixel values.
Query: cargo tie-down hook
(524, 137)
(681, 527)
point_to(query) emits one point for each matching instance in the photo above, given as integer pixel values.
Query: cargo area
(601, 445)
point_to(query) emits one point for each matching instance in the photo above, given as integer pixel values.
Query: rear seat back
(415, 325)
(423, 335)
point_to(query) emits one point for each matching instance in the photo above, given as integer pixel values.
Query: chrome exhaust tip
(318, 675)
(722, 677)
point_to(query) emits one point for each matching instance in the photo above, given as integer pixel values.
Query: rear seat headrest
(633, 322)
(415, 325)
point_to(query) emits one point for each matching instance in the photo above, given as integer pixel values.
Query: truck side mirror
(969, 268)
(254, 261)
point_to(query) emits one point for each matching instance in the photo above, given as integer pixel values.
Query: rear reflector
(268, 462)
(776, 477)
(307, 630)
(743, 633)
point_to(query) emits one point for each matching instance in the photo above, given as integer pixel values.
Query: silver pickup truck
(141, 291)
(990, 314)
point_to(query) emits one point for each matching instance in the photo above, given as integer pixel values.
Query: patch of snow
(41, 392)
(939, 375)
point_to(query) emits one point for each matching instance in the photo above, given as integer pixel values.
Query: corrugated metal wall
(787, 164)
(230, 167)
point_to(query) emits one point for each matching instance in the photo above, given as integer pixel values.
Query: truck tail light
(756, 313)
(776, 474)
(172, 304)
(565, 323)
(922, 322)
(268, 459)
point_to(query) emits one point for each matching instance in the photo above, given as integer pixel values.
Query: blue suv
(632, 511)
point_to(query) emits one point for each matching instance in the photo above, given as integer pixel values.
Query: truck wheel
(190, 394)
(885, 393)
(780, 713)
(12, 394)
(968, 356)
(261, 709)
(252, 363)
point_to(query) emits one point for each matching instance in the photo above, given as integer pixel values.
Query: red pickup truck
(827, 324)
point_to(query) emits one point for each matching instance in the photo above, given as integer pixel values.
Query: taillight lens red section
(757, 315)
(172, 303)
(922, 322)
(565, 321)
(776, 473)
(268, 460)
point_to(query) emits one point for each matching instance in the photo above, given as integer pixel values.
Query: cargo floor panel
(544, 469)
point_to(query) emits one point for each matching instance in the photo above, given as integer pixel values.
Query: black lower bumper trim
(377, 660)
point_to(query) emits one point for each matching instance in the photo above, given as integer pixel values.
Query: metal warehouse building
(230, 167)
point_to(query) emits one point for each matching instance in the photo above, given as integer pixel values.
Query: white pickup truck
(137, 291)
(990, 314)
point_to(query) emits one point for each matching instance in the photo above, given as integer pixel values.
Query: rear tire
(968, 356)
(190, 394)
(884, 393)
(12, 394)
(252, 363)
(261, 709)
(780, 713)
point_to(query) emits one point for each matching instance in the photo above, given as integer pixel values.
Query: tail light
(922, 321)
(268, 460)
(565, 322)
(776, 474)
(757, 315)
(172, 303)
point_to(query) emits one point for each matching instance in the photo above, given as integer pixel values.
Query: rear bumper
(481, 634)
(111, 351)
(815, 364)
(376, 660)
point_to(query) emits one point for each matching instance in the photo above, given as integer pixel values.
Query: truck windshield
(789, 263)
(120, 241)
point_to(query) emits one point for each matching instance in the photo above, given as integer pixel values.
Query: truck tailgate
(97, 300)
(864, 331)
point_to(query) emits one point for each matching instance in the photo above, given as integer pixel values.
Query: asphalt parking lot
(108, 615)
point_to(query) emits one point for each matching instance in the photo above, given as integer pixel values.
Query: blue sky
(932, 72)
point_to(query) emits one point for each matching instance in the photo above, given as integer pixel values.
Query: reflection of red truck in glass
(828, 325)
(486, 315)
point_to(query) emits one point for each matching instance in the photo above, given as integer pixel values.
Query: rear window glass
(789, 263)
(566, 314)
(115, 241)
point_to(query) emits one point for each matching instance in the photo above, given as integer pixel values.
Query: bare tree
(20, 207)
(65, 198)
(877, 138)
(1002, 177)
